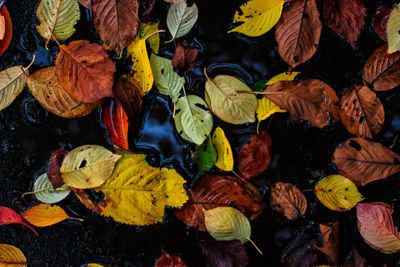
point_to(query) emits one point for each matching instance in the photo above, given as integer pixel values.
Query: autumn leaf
(45, 192)
(54, 165)
(337, 193)
(11, 256)
(116, 121)
(257, 16)
(167, 260)
(43, 215)
(298, 32)
(365, 161)
(224, 253)
(150, 32)
(376, 226)
(12, 82)
(392, 29)
(284, 76)
(137, 193)
(9, 216)
(330, 237)
(356, 260)
(85, 71)
(362, 112)
(116, 21)
(380, 21)
(214, 191)
(206, 155)
(184, 58)
(224, 150)
(301, 251)
(288, 200)
(181, 18)
(347, 18)
(8, 31)
(311, 100)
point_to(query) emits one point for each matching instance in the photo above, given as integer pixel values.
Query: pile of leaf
(225, 199)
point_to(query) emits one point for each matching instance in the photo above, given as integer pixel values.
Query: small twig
(308, 190)
(259, 93)
(27, 67)
(255, 246)
(394, 141)
(151, 34)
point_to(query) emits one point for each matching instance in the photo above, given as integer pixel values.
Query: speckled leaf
(224, 150)
(181, 19)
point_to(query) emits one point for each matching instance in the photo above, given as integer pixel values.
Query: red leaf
(167, 260)
(255, 156)
(9, 216)
(53, 168)
(115, 119)
(225, 253)
(8, 27)
(185, 58)
(380, 21)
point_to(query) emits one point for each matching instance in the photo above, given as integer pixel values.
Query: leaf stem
(151, 34)
(259, 93)
(238, 176)
(39, 191)
(255, 246)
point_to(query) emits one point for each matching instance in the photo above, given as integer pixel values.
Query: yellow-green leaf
(57, 17)
(12, 82)
(11, 256)
(137, 193)
(88, 166)
(224, 151)
(149, 31)
(258, 16)
(337, 192)
(285, 76)
(393, 30)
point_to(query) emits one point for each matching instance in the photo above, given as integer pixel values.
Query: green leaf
(206, 156)
(45, 192)
(193, 121)
(181, 19)
(393, 30)
(12, 81)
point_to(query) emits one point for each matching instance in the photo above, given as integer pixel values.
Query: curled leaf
(54, 165)
(181, 18)
(224, 150)
(45, 192)
(9, 216)
(12, 82)
(11, 256)
(167, 260)
(43, 215)
(115, 119)
(288, 200)
(224, 253)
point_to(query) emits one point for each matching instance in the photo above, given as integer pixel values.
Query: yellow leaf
(137, 193)
(285, 76)
(266, 108)
(393, 30)
(337, 192)
(224, 151)
(11, 256)
(258, 16)
(88, 166)
(43, 215)
(92, 265)
(147, 29)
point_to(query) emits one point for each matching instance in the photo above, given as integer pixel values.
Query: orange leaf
(288, 200)
(44, 215)
(330, 237)
(8, 34)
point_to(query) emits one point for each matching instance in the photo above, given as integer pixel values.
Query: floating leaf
(45, 192)
(54, 165)
(288, 200)
(193, 120)
(225, 98)
(88, 166)
(115, 119)
(11, 256)
(185, 58)
(85, 71)
(137, 193)
(224, 151)
(376, 226)
(365, 161)
(337, 192)
(181, 18)
(206, 155)
(12, 82)
(362, 112)
(117, 22)
(330, 237)
(43, 215)
(46, 89)
(9, 216)
(258, 16)
(167, 260)
(224, 253)
(298, 32)
(380, 21)
(393, 30)
(57, 18)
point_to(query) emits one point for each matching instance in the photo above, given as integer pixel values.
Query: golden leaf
(11, 256)
(224, 151)
(43, 215)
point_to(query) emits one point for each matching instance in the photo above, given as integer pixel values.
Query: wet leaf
(149, 30)
(9, 216)
(225, 98)
(215, 191)
(185, 58)
(284, 76)
(224, 151)
(266, 108)
(257, 16)
(117, 22)
(224, 253)
(301, 252)
(57, 18)
(11, 256)
(137, 193)
(362, 112)
(380, 21)
(85, 71)
(382, 70)
(365, 161)
(338, 193)
(44, 215)
(12, 82)
(330, 246)
(8, 31)
(376, 226)
(193, 120)
(181, 18)
(298, 32)
(393, 30)
(346, 18)
(167, 260)
(88, 166)
(46, 193)
(54, 165)
(116, 121)
(311, 100)
(206, 155)
(288, 200)
(46, 89)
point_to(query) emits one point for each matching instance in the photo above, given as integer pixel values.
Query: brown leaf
(255, 156)
(380, 21)
(301, 252)
(146, 8)
(54, 165)
(311, 100)
(356, 260)
(116, 21)
(288, 200)
(364, 161)
(214, 191)
(330, 237)
(362, 112)
(167, 260)
(298, 32)
(382, 70)
(225, 253)
(347, 18)
(85, 71)
(185, 58)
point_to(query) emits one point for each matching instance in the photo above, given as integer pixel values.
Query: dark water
(301, 155)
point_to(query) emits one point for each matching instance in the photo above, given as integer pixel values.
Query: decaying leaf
(224, 253)
(257, 16)
(330, 237)
(137, 193)
(347, 18)
(46, 193)
(380, 21)
(9, 216)
(11, 256)
(365, 161)
(115, 119)
(85, 71)
(298, 32)
(224, 150)
(288, 200)
(167, 260)
(311, 100)
(362, 112)
(215, 191)
(337, 192)
(185, 58)
(88, 166)
(12, 82)
(376, 226)
(206, 155)
(393, 30)
(116, 21)
(54, 165)
(43, 215)
(181, 18)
